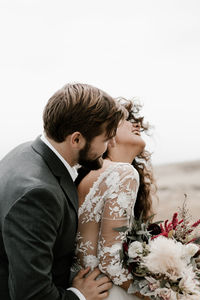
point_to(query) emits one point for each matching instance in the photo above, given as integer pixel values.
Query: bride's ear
(77, 140)
(112, 143)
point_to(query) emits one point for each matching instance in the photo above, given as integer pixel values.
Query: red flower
(168, 227)
(175, 220)
(196, 223)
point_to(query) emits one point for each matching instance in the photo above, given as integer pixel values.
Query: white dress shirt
(72, 170)
(73, 173)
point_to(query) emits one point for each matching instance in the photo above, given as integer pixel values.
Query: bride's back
(106, 200)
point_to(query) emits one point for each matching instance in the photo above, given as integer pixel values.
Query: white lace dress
(109, 204)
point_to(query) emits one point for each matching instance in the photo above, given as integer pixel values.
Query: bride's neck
(120, 155)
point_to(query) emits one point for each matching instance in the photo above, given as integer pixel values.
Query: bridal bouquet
(163, 257)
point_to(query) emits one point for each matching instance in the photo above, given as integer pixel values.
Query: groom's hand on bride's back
(91, 288)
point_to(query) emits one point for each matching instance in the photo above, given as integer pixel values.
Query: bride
(107, 199)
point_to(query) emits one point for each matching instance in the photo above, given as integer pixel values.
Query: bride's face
(129, 135)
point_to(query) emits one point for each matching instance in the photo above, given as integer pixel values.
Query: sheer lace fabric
(109, 204)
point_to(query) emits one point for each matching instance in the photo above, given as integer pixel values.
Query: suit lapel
(70, 190)
(59, 170)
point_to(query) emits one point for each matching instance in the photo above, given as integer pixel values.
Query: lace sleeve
(122, 187)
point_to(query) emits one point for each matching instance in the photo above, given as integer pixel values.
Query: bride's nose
(136, 125)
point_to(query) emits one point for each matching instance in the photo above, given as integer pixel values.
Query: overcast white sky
(146, 48)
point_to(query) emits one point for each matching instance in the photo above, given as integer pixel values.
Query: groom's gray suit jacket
(38, 223)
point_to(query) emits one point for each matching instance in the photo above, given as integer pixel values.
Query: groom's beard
(86, 162)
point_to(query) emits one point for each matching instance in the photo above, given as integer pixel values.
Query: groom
(38, 199)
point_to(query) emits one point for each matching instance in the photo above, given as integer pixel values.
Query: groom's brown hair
(83, 108)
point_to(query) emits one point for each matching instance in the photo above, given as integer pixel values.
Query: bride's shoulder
(95, 175)
(92, 178)
(116, 170)
(123, 168)
(110, 167)
(113, 173)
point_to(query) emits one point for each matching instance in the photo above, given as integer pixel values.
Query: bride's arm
(118, 208)
(119, 203)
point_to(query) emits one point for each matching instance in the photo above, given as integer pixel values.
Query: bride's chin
(141, 145)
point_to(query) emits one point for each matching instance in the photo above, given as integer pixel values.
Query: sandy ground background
(173, 181)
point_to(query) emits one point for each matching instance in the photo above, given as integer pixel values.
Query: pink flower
(153, 286)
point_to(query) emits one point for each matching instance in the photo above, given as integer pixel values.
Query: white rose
(135, 249)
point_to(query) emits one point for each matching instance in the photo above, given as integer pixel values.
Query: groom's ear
(77, 140)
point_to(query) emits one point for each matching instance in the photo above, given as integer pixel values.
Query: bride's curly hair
(142, 163)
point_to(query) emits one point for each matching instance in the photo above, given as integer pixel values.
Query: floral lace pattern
(109, 204)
